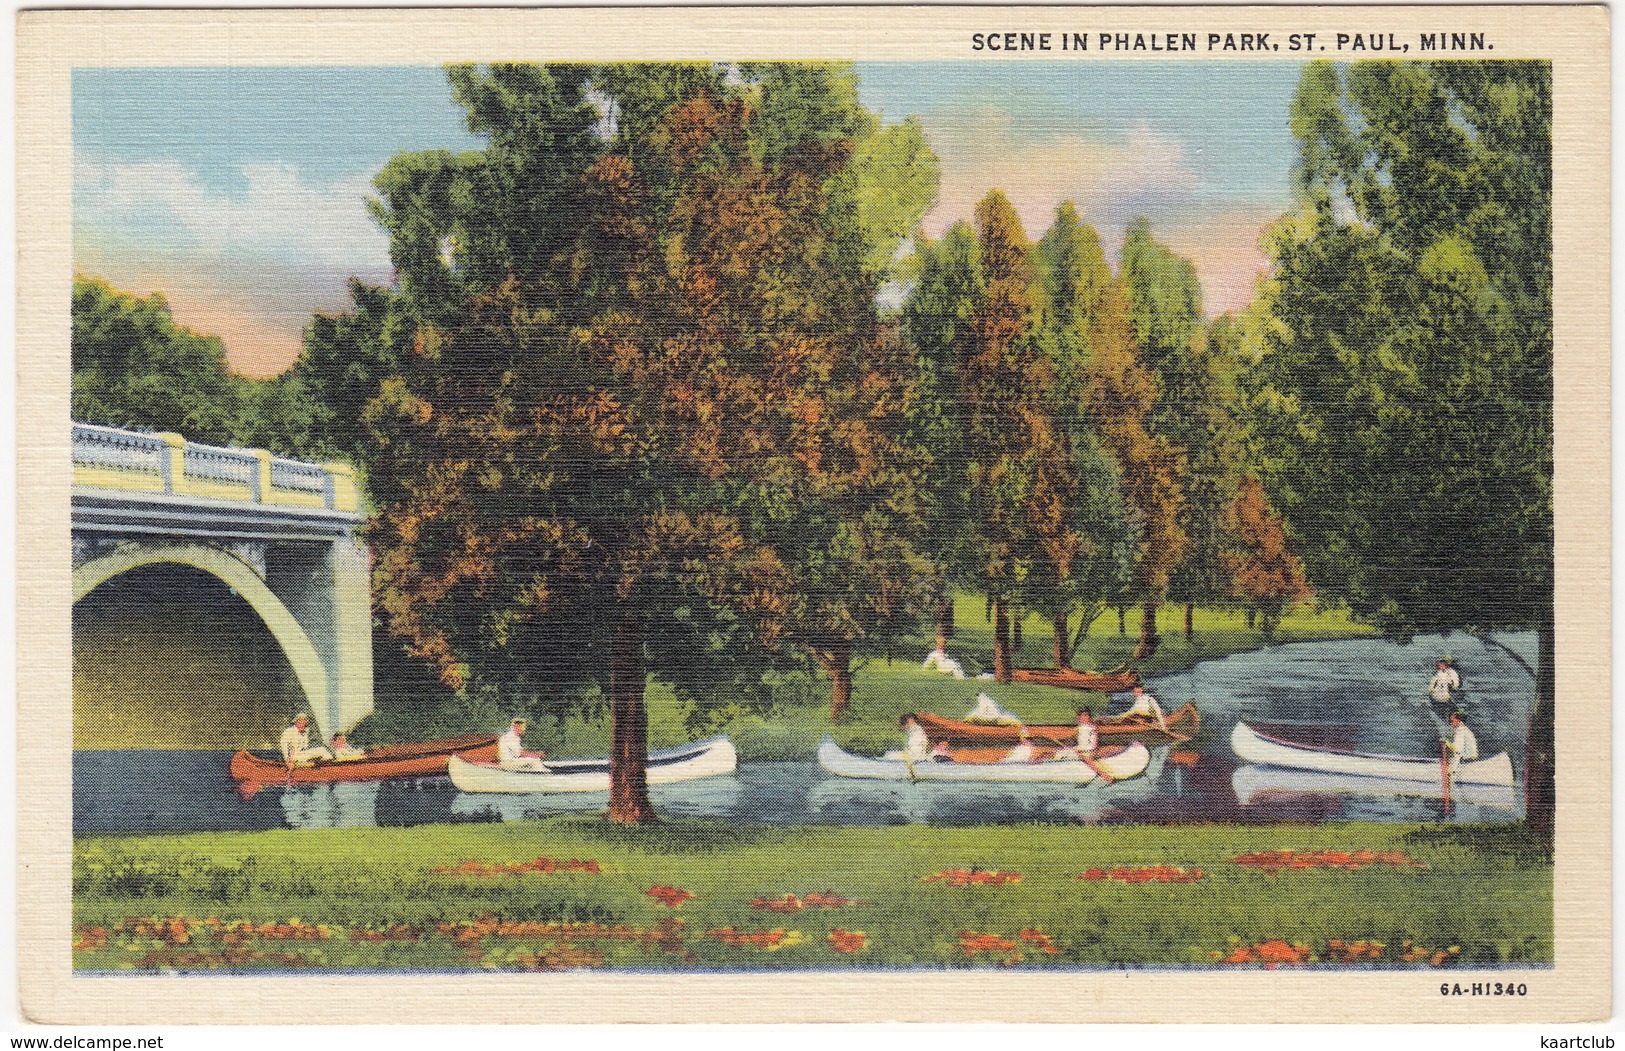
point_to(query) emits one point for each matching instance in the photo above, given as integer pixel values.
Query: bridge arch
(239, 575)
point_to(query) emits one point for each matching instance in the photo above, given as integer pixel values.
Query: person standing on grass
(511, 754)
(295, 743)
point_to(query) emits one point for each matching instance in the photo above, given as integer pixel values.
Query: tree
(645, 413)
(1409, 354)
(1265, 572)
(1073, 275)
(936, 324)
(134, 367)
(1019, 474)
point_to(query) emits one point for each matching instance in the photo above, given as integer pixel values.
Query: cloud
(249, 267)
(1104, 175)
(1225, 251)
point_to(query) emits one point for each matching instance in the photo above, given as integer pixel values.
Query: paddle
(1444, 774)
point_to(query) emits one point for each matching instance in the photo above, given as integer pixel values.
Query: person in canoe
(1088, 734)
(1146, 706)
(916, 745)
(1445, 683)
(342, 751)
(511, 754)
(295, 744)
(1023, 752)
(1462, 747)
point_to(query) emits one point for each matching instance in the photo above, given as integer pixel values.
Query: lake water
(1374, 690)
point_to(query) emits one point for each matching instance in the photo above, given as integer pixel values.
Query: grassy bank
(680, 896)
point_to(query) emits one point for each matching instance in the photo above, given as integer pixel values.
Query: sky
(240, 193)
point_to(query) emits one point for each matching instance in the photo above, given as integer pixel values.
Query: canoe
(1182, 726)
(1120, 762)
(1254, 747)
(1071, 679)
(417, 759)
(685, 763)
(1262, 784)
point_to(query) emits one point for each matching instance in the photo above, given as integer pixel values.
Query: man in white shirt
(295, 743)
(916, 745)
(511, 754)
(1463, 745)
(1146, 705)
(1446, 680)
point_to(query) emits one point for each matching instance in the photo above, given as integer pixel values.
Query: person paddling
(295, 744)
(511, 754)
(1462, 747)
(1146, 706)
(1445, 683)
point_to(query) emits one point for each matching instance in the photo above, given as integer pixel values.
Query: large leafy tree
(1409, 353)
(645, 411)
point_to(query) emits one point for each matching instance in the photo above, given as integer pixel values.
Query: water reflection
(1260, 785)
(352, 805)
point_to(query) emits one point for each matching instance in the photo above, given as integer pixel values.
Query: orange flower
(1273, 861)
(1038, 939)
(970, 877)
(846, 941)
(670, 897)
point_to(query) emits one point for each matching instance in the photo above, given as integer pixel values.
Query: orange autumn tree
(641, 359)
(1018, 469)
(1265, 573)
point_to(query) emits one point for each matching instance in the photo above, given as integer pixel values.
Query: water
(1375, 688)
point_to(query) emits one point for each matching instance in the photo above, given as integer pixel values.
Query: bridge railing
(113, 458)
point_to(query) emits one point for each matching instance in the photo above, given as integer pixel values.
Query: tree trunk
(1122, 620)
(1001, 641)
(837, 662)
(1190, 620)
(945, 619)
(1540, 787)
(1061, 623)
(1252, 617)
(1149, 638)
(1018, 617)
(629, 727)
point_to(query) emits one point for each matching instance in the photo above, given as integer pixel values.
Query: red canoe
(1099, 681)
(1182, 726)
(418, 759)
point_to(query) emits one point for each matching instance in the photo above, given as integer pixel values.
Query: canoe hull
(1182, 726)
(1125, 761)
(1254, 747)
(1068, 678)
(420, 759)
(702, 759)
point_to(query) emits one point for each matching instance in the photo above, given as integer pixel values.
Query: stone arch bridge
(278, 532)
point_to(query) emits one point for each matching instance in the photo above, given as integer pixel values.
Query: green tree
(1073, 276)
(134, 367)
(1408, 356)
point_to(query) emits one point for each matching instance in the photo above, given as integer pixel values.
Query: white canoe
(1255, 784)
(1254, 747)
(686, 763)
(1129, 762)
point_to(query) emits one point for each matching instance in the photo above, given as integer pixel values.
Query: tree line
(669, 382)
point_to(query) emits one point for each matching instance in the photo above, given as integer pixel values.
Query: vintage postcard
(814, 514)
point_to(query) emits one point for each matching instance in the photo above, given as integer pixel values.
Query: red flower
(842, 940)
(670, 897)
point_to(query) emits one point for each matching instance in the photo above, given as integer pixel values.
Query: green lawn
(286, 899)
